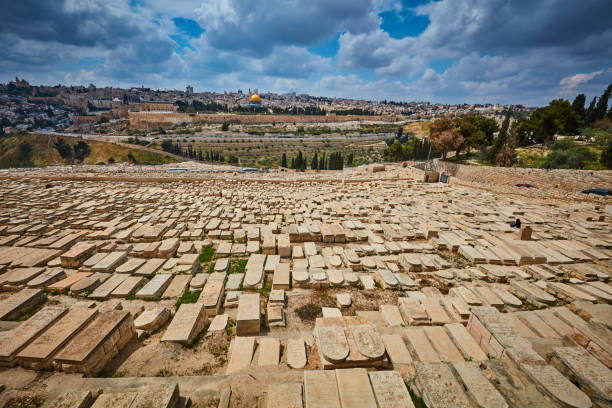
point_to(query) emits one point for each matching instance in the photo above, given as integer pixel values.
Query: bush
(606, 155)
(574, 158)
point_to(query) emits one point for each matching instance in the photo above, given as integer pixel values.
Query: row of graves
(481, 307)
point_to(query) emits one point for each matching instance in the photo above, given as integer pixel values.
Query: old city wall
(157, 119)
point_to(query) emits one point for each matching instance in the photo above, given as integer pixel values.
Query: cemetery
(354, 288)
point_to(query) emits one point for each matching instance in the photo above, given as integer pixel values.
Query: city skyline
(443, 52)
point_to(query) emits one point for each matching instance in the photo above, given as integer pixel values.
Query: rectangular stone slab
(420, 346)
(110, 262)
(17, 339)
(150, 267)
(241, 354)
(286, 394)
(443, 344)
(249, 314)
(390, 390)
(478, 387)
(155, 288)
(465, 342)
(189, 320)
(269, 352)
(177, 287)
(104, 290)
(21, 302)
(321, 389)
(64, 284)
(438, 386)
(354, 388)
(41, 351)
(128, 287)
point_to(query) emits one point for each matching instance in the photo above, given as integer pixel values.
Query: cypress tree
(578, 105)
(314, 164)
(590, 112)
(602, 105)
(284, 160)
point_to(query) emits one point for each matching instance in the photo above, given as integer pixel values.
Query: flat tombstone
(368, 340)
(77, 255)
(152, 319)
(390, 390)
(367, 282)
(465, 342)
(47, 278)
(103, 291)
(287, 395)
(343, 299)
(222, 264)
(177, 287)
(218, 323)
(233, 281)
(158, 396)
(478, 387)
(396, 349)
(130, 266)
(439, 387)
(110, 262)
(188, 321)
(392, 315)
(321, 389)
(354, 388)
(20, 303)
(73, 399)
(150, 267)
(296, 353)
(18, 338)
(155, 287)
(421, 346)
(242, 354)
(556, 386)
(269, 352)
(128, 287)
(333, 343)
(442, 343)
(115, 400)
(282, 276)
(40, 352)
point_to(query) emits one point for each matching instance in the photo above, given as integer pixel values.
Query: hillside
(44, 154)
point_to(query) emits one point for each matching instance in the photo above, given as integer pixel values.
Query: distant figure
(516, 224)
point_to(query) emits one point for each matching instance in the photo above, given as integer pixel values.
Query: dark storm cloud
(89, 24)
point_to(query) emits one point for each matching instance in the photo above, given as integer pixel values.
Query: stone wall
(156, 119)
(559, 179)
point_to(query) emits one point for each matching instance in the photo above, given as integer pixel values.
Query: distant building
(189, 90)
(254, 101)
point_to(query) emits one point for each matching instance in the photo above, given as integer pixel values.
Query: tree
(166, 145)
(225, 126)
(557, 117)
(24, 152)
(64, 150)
(445, 136)
(314, 164)
(322, 162)
(131, 157)
(81, 150)
(606, 154)
(602, 104)
(284, 161)
(590, 112)
(506, 156)
(501, 138)
(349, 159)
(111, 160)
(578, 105)
(395, 152)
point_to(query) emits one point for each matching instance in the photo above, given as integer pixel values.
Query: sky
(446, 51)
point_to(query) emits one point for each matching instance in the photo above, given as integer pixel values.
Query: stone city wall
(157, 119)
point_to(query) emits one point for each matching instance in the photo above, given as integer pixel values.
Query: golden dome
(255, 98)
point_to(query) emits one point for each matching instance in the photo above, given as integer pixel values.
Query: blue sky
(447, 51)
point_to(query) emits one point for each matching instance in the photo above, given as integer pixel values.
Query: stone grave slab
(241, 354)
(296, 353)
(354, 388)
(20, 302)
(390, 390)
(189, 320)
(155, 287)
(128, 287)
(104, 290)
(321, 389)
(152, 319)
(478, 387)
(177, 286)
(269, 352)
(287, 394)
(438, 386)
(248, 320)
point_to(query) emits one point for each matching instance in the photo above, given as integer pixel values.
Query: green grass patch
(211, 267)
(237, 266)
(207, 254)
(265, 291)
(188, 297)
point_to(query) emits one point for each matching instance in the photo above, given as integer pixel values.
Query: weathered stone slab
(288, 394)
(233, 281)
(478, 387)
(18, 277)
(21, 302)
(218, 323)
(150, 267)
(420, 346)
(368, 341)
(75, 257)
(104, 290)
(73, 399)
(390, 390)
(555, 385)
(115, 400)
(39, 354)
(296, 353)
(354, 388)
(241, 354)
(396, 349)
(131, 266)
(282, 276)
(152, 319)
(269, 352)
(413, 312)
(212, 294)
(391, 314)
(248, 320)
(157, 396)
(110, 262)
(128, 287)
(443, 344)
(47, 278)
(177, 286)
(435, 311)
(189, 320)
(465, 342)
(95, 346)
(532, 293)
(333, 343)
(439, 387)
(20, 337)
(321, 389)
(594, 378)
(155, 288)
